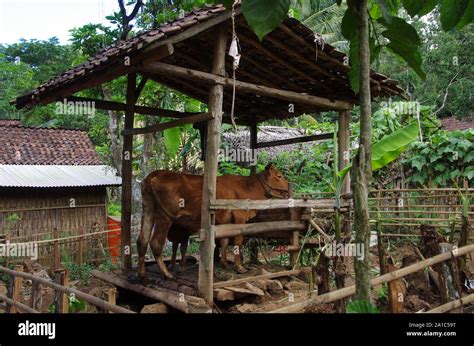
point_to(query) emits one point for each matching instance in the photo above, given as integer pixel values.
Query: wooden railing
(63, 294)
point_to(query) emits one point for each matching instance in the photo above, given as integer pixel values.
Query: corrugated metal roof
(57, 176)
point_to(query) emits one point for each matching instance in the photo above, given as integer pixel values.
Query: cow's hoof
(241, 269)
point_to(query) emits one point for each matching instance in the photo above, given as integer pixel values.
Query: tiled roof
(45, 146)
(453, 123)
(289, 59)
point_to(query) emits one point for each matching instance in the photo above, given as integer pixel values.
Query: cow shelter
(289, 73)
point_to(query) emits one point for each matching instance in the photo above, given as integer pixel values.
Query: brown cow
(174, 198)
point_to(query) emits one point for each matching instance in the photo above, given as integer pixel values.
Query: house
(51, 182)
(454, 124)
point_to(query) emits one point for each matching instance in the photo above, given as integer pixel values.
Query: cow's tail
(146, 227)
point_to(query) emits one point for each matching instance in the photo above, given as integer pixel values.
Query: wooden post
(126, 219)
(216, 97)
(61, 301)
(253, 246)
(56, 250)
(16, 291)
(81, 246)
(253, 142)
(111, 295)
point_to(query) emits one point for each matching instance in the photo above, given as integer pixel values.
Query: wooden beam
(266, 204)
(127, 157)
(232, 230)
(17, 305)
(168, 125)
(122, 107)
(216, 99)
(304, 139)
(172, 298)
(209, 78)
(284, 64)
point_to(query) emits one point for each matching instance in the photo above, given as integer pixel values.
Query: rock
(246, 308)
(158, 308)
(262, 284)
(221, 294)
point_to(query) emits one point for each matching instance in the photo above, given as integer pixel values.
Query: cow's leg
(238, 255)
(173, 255)
(144, 239)
(158, 241)
(183, 249)
(224, 244)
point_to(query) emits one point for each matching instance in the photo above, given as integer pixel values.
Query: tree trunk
(361, 171)
(114, 132)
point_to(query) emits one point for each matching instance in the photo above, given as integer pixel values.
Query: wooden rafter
(304, 139)
(209, 78)
(168, 125)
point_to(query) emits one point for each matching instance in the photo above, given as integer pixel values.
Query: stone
(158, 308)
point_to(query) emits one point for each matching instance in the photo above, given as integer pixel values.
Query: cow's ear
(269, 166)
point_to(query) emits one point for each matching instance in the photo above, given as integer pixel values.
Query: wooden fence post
(111, 296)
(15, 288)
(61, 301)
(56, 250)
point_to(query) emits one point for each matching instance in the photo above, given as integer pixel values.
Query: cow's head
(274, 182)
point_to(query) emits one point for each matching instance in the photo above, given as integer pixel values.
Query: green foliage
(382, 293)
(76, 304)
(114, 208)
(361, 307)
(389, 147)
(79, 271)
(448, 158)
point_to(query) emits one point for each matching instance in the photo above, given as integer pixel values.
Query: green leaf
(469, 157)
(228, 3)
(389, 9)
(468, 16)
(419, 7)
(427, 7)
(404, 41)
(349, 31)
(375, 12)
(469, 172)
(389, 147)
(418, 162)
(451, 12)
(361, 307)
(172, 140)
(263, 16)
(354, 71)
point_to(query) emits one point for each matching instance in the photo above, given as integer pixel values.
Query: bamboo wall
(42, 215)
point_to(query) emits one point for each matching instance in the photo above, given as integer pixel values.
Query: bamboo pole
(350, 290)
(87, 297)
(452, 305)
(17, 305)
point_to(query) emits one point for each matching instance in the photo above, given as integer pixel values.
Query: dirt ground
(258, 296)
